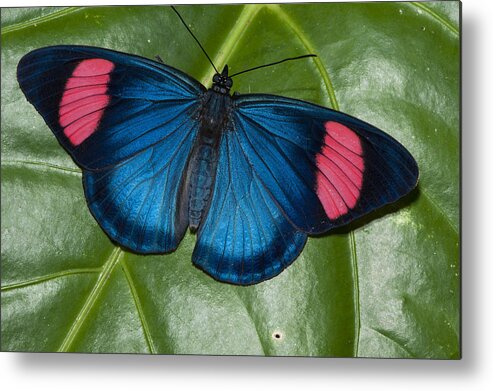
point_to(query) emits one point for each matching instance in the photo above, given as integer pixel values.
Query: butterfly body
(252, 174)
(214, 119)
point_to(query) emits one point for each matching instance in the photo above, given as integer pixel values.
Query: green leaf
(387, 286)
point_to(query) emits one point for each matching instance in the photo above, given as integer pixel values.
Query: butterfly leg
(158, 57)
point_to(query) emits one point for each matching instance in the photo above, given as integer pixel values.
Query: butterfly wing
(141, 202)
(128, 122)
(290, 168)
(323, 167)
(245, 237)
(104, 106)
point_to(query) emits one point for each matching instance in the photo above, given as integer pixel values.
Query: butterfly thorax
(215, 111)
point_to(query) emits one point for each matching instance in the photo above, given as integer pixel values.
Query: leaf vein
(436, 16)
(445, 216)
(40, 279)
(357, 304)
(40, 19)
(281, 14)
(246, 17)
(138, 305)
(103, 278)
(394, 340)
(38, 164)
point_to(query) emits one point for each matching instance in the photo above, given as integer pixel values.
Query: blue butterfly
(251, 174)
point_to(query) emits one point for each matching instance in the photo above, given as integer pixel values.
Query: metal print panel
(286, 197)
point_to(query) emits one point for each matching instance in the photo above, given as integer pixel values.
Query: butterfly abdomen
(203, 166)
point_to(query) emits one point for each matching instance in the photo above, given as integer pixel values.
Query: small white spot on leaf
(277, 335)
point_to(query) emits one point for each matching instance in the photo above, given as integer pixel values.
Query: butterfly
(251, 174)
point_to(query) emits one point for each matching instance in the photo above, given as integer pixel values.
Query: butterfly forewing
(324, 168)
(105, 106)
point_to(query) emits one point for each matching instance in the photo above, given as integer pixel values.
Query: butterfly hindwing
(141, 202)
(245, 238)
(129, 123)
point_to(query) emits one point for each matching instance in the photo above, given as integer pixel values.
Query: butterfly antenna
(273, 63)
(194, 37)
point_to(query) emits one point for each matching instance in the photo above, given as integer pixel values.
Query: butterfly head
(221, 82)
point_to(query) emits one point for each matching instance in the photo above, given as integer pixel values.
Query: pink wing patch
(84, 99)
(341, 166)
